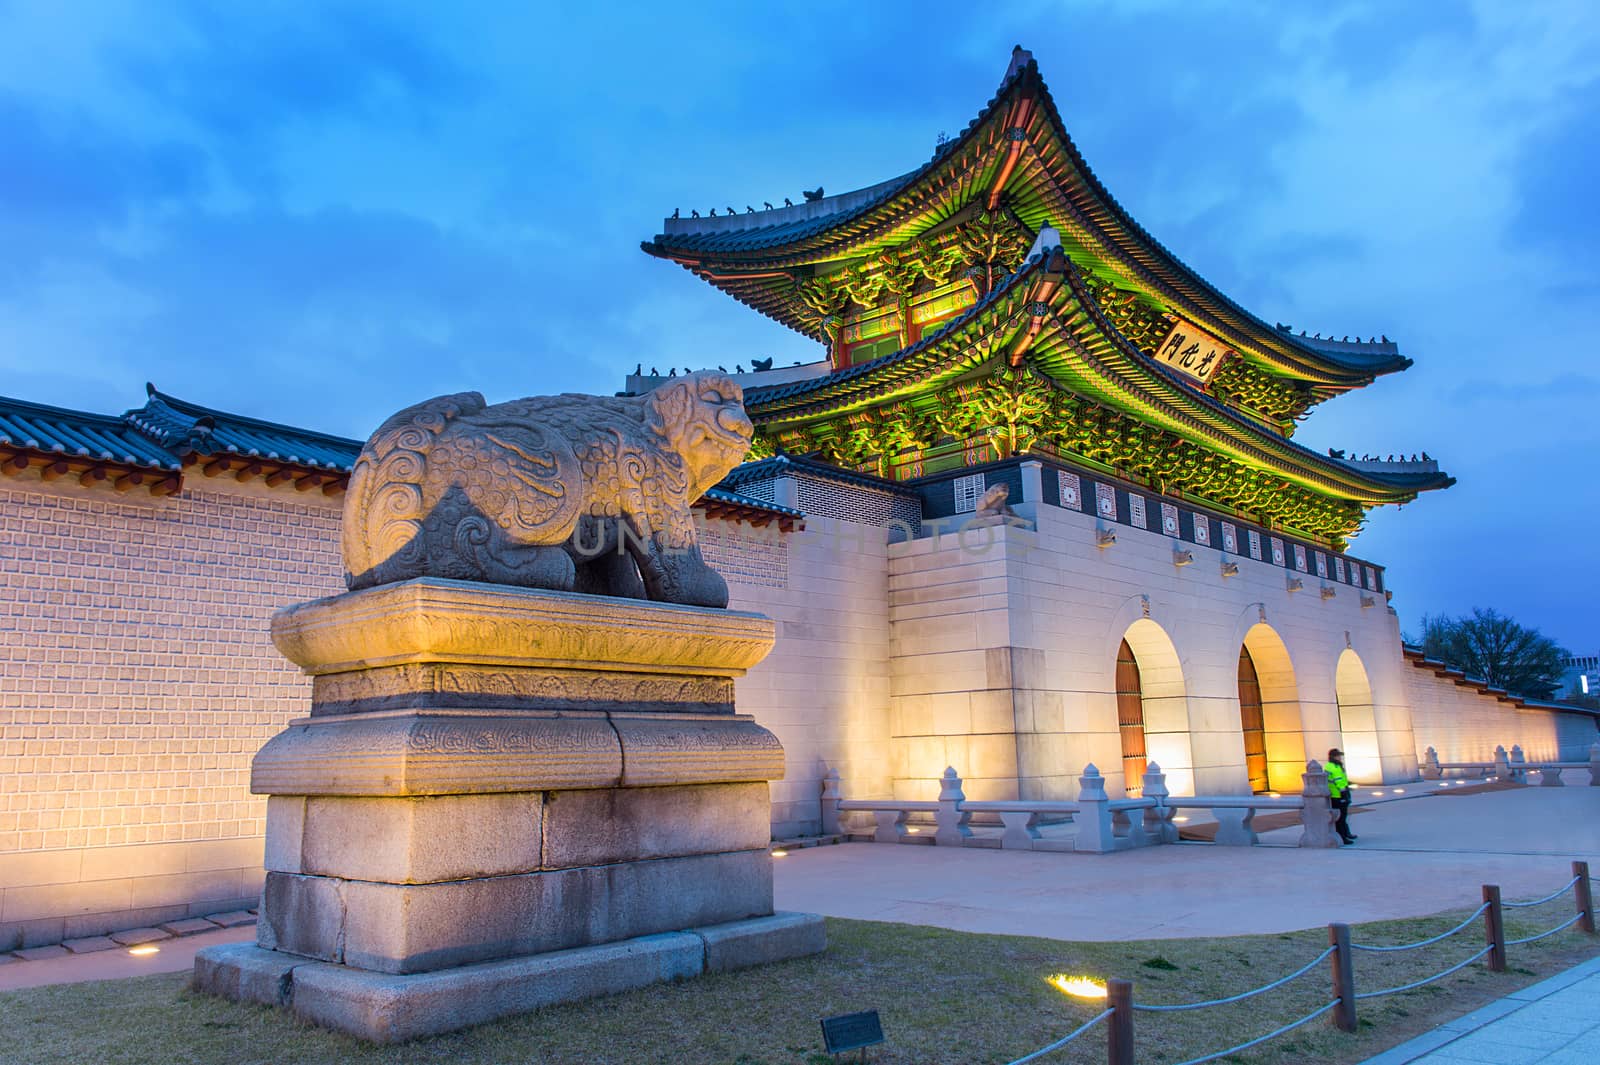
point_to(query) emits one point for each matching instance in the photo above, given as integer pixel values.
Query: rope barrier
(1059, 1043)
(1556, 894)
(1425, 942)
(1568, 923)
(1313, 963)
(1262, 1039)
(1425, 980)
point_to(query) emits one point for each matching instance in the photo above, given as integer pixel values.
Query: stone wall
(824, 690)
(137, 679)
(1004, 648)
(1465, 725)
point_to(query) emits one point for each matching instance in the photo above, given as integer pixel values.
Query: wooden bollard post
(1343, 965)
(1584, 897)
(1119, 1036)
(1494, 928)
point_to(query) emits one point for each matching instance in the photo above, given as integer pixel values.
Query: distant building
(1580, 676)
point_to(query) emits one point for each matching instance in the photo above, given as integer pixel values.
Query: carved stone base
(493, 773)
(390, 1009)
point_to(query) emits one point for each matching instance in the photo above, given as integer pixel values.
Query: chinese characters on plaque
(1192, 352)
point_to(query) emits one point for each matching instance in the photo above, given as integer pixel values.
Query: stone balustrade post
(1550, 776)
(830, 803)
(890, 826)
(1430, 765)
(1158, 824)
(1594, 765)
(1021, 829)
(1502, 763)
(1519, 763)
(950, 820)
(1316, 815)
(1095, 833)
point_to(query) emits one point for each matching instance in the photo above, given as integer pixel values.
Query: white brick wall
(136, 682)
(1464, 725)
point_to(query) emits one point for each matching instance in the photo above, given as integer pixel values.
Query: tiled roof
(190, 427)
(784, 465)
(759, 264)
(1419, 658)
(80, 435)
(1117, 373)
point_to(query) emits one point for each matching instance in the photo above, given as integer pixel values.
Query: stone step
(134, 937)
(90, 944)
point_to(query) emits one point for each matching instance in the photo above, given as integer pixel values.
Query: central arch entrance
(1269, 712)
(1152, 708)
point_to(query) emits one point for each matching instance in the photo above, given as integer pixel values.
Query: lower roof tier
(1038, 366)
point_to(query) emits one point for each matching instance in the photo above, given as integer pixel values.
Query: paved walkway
(1553, 1022)
(1416, 856)
(173, 956)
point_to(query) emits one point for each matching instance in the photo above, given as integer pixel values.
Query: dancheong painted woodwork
(997, 301)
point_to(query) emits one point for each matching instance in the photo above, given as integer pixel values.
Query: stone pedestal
(496, 785)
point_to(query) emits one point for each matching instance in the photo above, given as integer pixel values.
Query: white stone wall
(824, 689)
(1042, 612)
(137, 679)
(1465, 725)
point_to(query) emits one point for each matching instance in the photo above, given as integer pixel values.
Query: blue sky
(318, 214)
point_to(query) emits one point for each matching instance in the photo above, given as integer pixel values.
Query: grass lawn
(951, 998)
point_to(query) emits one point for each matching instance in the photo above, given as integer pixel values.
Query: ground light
(1077, 986)
(780, 853)
(142, 951)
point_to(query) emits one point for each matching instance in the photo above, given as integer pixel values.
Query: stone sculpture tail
(384, 506)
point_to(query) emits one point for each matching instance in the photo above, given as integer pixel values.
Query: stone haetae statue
(569, 493)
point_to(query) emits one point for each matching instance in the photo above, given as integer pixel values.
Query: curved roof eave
(1350, 365)
(1187, 402)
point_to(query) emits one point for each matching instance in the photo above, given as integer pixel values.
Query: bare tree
(1491, 646)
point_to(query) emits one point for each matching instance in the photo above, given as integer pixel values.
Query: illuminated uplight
(780, 853)
(1399, 791)
(913, 831)
(1078, 986)
(1274, 795)
(1180, 820)
(1377, 795)
(144, 950)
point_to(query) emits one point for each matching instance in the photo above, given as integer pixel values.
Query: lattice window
(969, 490)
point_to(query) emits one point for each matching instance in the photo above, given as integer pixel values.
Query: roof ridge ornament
(1020, 57)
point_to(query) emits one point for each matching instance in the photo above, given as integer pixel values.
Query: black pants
(1342, 825)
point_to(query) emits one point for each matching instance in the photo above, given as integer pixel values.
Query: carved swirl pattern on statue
(569, 492)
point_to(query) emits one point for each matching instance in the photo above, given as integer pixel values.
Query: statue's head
(702, 417)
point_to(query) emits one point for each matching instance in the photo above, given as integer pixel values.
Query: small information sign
(851, 1031)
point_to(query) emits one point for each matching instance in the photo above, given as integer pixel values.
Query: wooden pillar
(1583, 895)
(1494, 928)
(1342, 966)
(1119, 1036)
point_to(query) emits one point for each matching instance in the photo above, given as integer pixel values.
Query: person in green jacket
(1339, 792)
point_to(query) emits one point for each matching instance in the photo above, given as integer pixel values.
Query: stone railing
(1512, 766)
(1103, 824)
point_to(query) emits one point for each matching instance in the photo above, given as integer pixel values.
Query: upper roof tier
(1014, 161)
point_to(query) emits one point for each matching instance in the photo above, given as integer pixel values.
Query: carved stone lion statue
(570, 492)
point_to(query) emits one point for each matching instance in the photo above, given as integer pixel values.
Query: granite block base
(390, 1008)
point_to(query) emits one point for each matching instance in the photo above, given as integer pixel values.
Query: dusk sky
(325, 213)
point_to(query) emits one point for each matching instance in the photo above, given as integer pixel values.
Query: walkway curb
(1483, 1016)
